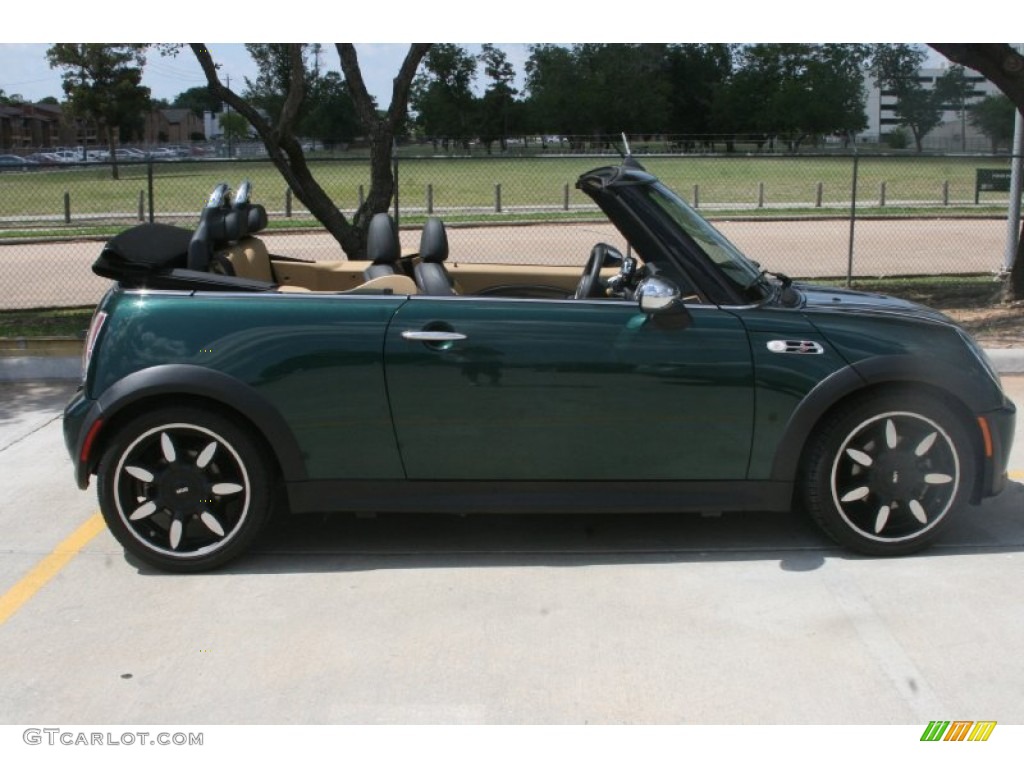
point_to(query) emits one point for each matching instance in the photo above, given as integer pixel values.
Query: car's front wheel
(184, 489)
(884, 476)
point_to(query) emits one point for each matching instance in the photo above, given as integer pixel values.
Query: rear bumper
(79, 416)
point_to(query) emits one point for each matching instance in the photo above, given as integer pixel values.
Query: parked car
(42, 158)
(670, 375)
(17, 163)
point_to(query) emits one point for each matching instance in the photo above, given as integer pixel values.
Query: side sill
(553, 497)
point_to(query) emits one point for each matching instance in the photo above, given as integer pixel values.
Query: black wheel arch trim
(181, 380)
(941, 377)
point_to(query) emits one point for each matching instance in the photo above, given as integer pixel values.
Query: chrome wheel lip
(131, 525)
(934, 517)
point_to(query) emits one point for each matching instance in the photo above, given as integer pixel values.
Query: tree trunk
(286, 153)
(113, 155)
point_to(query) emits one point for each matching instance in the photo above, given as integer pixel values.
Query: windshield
(734, 265)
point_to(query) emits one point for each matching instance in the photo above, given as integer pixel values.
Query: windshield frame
(744, 274)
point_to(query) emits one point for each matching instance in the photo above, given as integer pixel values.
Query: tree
(895, 69)
(280, 138)
(331, 115)
(553, 82)
(103, 83)
(697, 74)
(442, 94)
(993, 116)
(1002, 65)
(197, 99)
(499, 99)
(952, 91)
(234, 126)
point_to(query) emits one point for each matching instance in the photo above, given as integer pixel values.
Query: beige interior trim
(397, 284)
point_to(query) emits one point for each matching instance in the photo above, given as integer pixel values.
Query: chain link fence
(812, 216)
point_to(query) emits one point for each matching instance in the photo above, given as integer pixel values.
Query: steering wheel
(589, 285)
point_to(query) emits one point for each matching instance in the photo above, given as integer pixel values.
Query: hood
(826, 298)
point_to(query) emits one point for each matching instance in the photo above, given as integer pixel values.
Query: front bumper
(1001, 425)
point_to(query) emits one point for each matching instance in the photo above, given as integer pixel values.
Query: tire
(184, 489)
(884, 475)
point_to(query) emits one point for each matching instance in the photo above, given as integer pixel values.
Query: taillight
(95, 326)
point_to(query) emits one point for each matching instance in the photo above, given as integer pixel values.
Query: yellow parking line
(48, 567)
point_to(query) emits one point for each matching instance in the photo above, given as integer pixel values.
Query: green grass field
(734, 183)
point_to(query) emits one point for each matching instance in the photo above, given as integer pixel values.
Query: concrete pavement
(561, 619)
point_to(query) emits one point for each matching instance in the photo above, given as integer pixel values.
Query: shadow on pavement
(346, 543)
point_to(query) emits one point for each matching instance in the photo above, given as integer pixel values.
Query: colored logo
(958, 730)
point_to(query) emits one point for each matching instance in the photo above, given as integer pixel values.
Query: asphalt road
(739, 619)
(59, 274)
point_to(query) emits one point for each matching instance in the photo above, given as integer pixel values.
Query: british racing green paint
(316, 359)
(569, 390)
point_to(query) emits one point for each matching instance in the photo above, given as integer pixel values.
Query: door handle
(433, 336)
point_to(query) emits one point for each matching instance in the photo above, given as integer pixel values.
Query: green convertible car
(672, 374)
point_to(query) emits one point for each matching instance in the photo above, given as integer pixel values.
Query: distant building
(954, 132)
(174, 126)
(28, 126)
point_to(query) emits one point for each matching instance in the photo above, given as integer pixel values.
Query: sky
(382, 31)
(24, 70)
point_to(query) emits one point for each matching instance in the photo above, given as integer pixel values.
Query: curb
(59, 358)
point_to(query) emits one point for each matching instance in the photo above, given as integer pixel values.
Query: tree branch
(999, 62)
(296, 92)
(403, 83)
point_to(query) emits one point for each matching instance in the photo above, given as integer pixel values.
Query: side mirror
(662, 301)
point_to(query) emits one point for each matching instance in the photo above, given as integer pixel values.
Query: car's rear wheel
(184, 489)
(884, 476)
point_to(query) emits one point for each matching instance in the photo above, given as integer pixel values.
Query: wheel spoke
(212, 523)
(860, 457)
(143, 512)
(891, 438)
(882, 519)
(937, 478)
(176, 530)
(925, 445)
(223, 489)
(140, 474)
(206, 455)
(856, 494)
(918, 511)
(168, 448)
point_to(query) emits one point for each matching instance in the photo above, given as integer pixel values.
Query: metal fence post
(760, 194)
(881, 195)
(430, 199)
(818, 193)
(142, 205)
(853, 221)
(394, 165)
(67, 207)
(696, 196)
(149, 185)
(497, 198)
(288, 202)
(945, 193)
(565, 198)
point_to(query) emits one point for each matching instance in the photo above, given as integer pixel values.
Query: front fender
(974, 394)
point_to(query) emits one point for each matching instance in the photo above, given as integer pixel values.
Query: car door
(527, 389)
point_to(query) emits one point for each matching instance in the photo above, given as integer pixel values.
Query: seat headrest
(382, 245)
(433, 241)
